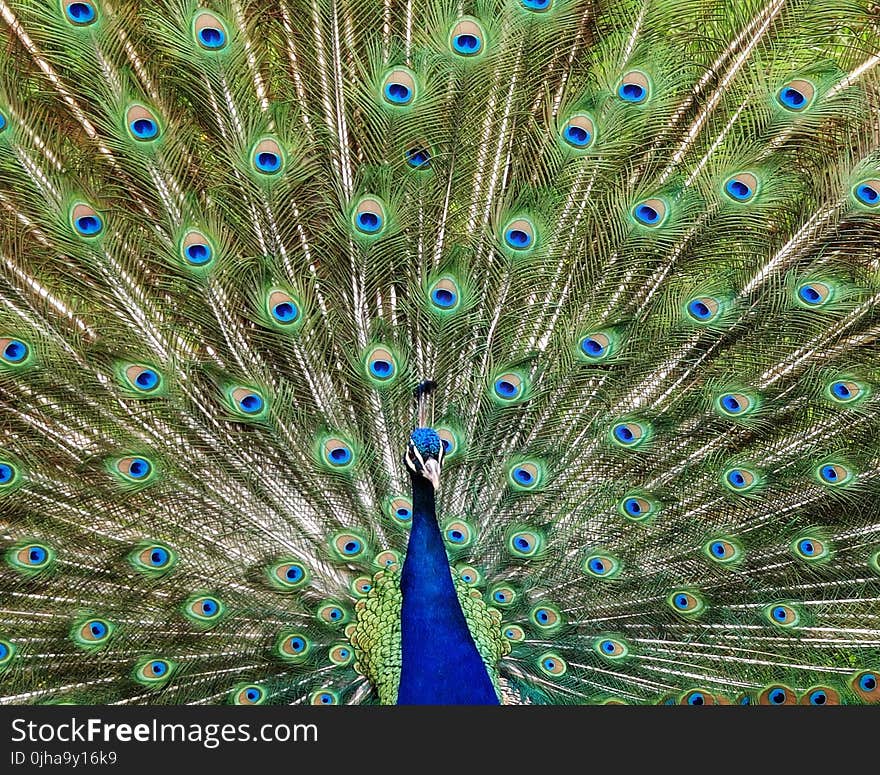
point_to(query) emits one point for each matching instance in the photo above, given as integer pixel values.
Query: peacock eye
(821, 695)
(142, 124)
(525, 543)
(86, 221)
(362, 586)
(703, 309)
(466, 38)
(210, 32)
(469, 575)
(722, 550)
(445, 294)
(601, 566)
(514, 633)
(134, 468)
(8, 474)
(80, 13)
(400, 510)
(742, 187)
(811, 548)
(381, 364)
(267, 157)
(283, 308)
(369, 217)
(323, 698)
(458, 533)
(91, 633)
(868, 193)
(519, 234)
(634, 88)
(579, 132)
(637, 508)
(152, 558)
(628, 434)
(399, 88)
(249, 695)
(508, 387)
(814, 294)
(387, 559)
(13, 350)
(338, 454)
(248, 401)
(503, 596)
(153, 671)
(552, 664)
(867, 685)
(782, 615)
(341, 655)
(31, 558)
(293, 647)
(796, 95)
(538, 6)
(418, 157)
(686, 603)
(777, 695)
(611, 648)
(740, 479)
(650, 212)
(349, 546)
(698, 697)
(547, 618)
(834, 474)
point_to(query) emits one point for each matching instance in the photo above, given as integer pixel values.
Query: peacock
(440, 352)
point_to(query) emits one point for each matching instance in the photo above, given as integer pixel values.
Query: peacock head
(424, 454)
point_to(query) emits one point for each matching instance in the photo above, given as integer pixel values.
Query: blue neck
(441, 664)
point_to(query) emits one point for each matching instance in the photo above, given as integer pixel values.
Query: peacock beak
(431, 471)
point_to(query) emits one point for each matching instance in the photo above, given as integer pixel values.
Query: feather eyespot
(469, 575)
(445, 295)
(134, 469)
(867, 193)
(579, 132)
(634, 88)
(210, 32)
(14, 351)
(293, 647)
(735, 404)
(7, 652)
(812, 549)
(341, 655)
(362, 586)
(537, 6)
(509, 387)
(777, 695)
(418, 157)
(458, 533)
(546, 618)
(601, 566)
(92, 633)
(820, 695)
(595, 347)
(369, 217)
(782, 615)
(153, 558)
(349, 546)
(400, 510)
(332, 613)
(866, 685)
(267, 157)
(399, 87)
(387, 559)
(503, 595)
(686, 603)
(80, 13)
(249, 694)
(323, 697)
(204, 609)
(381, 365)
(698, 697)
(723, 550)
(629, 434)
(611, 648)
(845, 391)
(650, 213)
(638, 508)
(796, 95)
(142, 124)
(519, 235)
(154, 671)
(551, 664)
(834, 474)
(337, 453)
(466, 38)
(740, 480)
(8, 475)
(814, 294)
(741, 187)
(31, 558)
(515, 633)
(86, 220)
(703, 309)
(195, 249)
(289, 574)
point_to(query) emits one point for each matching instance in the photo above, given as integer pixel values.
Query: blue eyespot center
(809, 294)
(381, 368)
(696, 699)
(368, 222)
(251, 403)
(867, 194)
(597, 566)
(632, 92)
(592, 347)
(647, 214)
(456, 536)
(268, 161)
(198, 253)
(542, 616)
(297, 644)
(500, 597)
(868, 682)
(818, 698)
(37, 555)
(518, 238)
(158, 557)
(351, 547)
(88, 225)
(699, 310)
(80, 13)
(624, 434)
(807, 547)
(7, 473)
(633, 507)
(731, 403)
(736, 478)
(522, 543)
(147, 379)
(144, 128)
(536, 5)
(158, 668)
(252, 695)
(718, 549)
(738, 190)
(523, 475)
(138, 468)
(467, 44)
(326, 699)
(15, 351)
(777, 697)
(98, 629)
(443, 297)
(841, 390)
(285, 312)
(779, 613)
(829, 473)
(212, 37)
(294, 573)
(577, 136)
(4, 651)
(418, 158)
(681, 601)
(792, 98)
(398, 93)
(506, 389)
